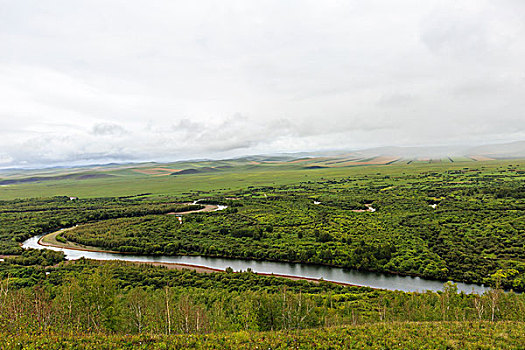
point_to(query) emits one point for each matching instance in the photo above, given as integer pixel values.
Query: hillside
(414, 335)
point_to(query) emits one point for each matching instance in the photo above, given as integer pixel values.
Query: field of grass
(414, 335)
(126, 181)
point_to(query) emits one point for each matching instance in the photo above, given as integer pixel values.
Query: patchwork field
(189, 178)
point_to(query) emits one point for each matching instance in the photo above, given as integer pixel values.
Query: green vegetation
(25, 218)
(44, 257)
(475, 233)
(413, 335)
(447, 220)
(122, 298)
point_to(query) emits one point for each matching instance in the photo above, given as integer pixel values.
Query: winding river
(327, 273)
(336, 274)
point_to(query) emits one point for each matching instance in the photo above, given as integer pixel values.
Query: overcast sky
(104, 80)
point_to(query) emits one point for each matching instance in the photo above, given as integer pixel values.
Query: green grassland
(125, 180)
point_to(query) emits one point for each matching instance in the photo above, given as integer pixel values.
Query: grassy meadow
(117, 181)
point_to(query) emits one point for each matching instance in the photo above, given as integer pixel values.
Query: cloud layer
(91, 81)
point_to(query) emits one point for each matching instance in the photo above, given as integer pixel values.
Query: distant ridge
(314, 167)
(54, 178)
(327, 158)
(195, 171)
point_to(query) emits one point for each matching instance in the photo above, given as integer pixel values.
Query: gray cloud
(203, 79)
(108, 129)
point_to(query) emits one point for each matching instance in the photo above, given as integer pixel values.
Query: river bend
(328, 273)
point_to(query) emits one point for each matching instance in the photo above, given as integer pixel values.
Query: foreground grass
(417, 335)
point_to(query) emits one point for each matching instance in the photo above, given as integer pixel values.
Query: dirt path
(8, 256)
(204, 269)
(207, 208)
(369, 209)
(50, 240)
(180, 266)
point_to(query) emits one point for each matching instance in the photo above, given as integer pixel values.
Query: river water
(336, 274)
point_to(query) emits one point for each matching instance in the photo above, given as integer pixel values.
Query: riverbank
(204, 269)
(50, 241)
(293, 271)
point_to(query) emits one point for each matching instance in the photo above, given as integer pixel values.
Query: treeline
(113, 298)
(44, 257)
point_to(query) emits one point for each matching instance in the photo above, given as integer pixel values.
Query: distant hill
(54, 178)
(196, 171)
(305, 160)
